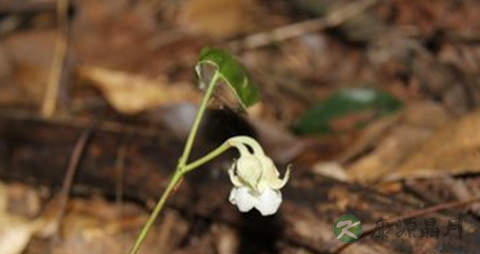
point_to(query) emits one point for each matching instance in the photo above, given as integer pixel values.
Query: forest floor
(373, 103)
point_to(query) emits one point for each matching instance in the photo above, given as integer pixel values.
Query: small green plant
(256, 180)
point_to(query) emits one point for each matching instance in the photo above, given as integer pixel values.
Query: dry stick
(82, 123)
(335, 18)
(50, 100)
(72, 166)
(119, 167)
(412, 214)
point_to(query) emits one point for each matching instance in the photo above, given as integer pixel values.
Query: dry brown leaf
(97, 226)
(452, 150)
(129, 93)
(15, 231)
(219, 18)
(389, 154)
(331, 169)
(397, 139)
(29, 56)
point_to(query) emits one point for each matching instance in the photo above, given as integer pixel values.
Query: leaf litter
(134, 58)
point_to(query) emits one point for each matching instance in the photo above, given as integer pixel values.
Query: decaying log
(37, 151)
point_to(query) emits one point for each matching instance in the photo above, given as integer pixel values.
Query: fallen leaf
(387, 144)
(391, 152)
(218, 18)
(29, 56)
(129, 93)
(102, 227)
(331, 169)
(452, 150)
(15, 231)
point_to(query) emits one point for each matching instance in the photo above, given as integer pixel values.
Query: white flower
(255, 178)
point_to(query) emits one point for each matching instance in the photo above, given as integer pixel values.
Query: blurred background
(373, 102)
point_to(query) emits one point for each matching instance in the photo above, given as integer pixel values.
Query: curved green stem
(210, 156)
(181, 167)
(193, 132)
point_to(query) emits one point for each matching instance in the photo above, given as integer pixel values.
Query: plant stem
(158, 207)
(219, 150)
(193, 132)
(181, 167)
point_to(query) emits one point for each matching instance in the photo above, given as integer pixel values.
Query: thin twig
(61, 46)
(412, 214)
(119, 167)
(335, 18)
(72, 166)
(55, 210)
(82, 123)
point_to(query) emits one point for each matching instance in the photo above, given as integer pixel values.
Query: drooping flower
(255, 178)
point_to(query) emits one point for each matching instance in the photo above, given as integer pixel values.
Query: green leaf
(357, 105)
(232, 72)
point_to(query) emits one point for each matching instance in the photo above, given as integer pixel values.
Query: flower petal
(241, 141)
(249, 169)
(233, 178)
(269, 201)
(271, 174)
(241, 197)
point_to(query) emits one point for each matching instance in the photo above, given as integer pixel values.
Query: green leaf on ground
(349, 107)
(231, 71)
